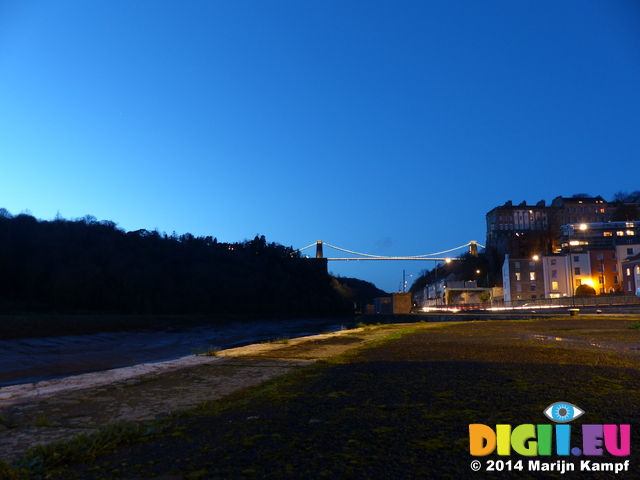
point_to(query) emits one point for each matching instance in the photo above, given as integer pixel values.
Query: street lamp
(404, 281)
(582, 228)
(447, 260)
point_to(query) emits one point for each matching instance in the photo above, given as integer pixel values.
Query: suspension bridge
(472, 246)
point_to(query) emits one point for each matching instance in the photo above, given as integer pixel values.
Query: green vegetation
(585, 290)
(53, 458)
(209, 352)
(358, 292)
(281, 340)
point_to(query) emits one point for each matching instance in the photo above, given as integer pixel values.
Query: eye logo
(562, 412)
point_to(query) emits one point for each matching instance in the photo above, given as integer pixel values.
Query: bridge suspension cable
(367, 256)
(304, 248)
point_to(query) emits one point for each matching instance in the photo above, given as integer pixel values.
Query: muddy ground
(398, 407)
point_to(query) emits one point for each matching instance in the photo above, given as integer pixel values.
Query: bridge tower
(473, 248)
(319, 249)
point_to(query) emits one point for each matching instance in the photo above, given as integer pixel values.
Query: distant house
(450, 290)
(583, 209)
(382, 305)
(396, 303)
(631, 275)
(522, 279)
(509, 223)
(555, 271)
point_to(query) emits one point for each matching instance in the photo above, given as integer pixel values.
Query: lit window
(620, 234)
(628, 272)
(578, 282)
(630, 232)
(517, 276)
(601, 280)
(638, 269)
(608, 234)
(554, 285)
(532, 276)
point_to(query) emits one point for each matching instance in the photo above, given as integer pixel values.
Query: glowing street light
(446, 260)
(582, 227)
(404, 281)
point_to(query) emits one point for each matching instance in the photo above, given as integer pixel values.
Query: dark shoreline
(55, 325)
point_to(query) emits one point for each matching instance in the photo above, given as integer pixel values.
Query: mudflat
(49, 411)
(383, 402)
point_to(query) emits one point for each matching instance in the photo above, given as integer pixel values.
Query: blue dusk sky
(388, 128)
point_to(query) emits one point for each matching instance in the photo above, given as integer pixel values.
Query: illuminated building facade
(631, 275)
(522, 279)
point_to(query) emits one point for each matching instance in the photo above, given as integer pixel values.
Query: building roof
(635, 258)
(559, 201)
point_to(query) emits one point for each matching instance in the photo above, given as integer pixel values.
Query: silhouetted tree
(626, 196)
(625, 212)
(584, 290)
(86, 265)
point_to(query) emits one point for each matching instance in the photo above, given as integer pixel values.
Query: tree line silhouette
(90, 266)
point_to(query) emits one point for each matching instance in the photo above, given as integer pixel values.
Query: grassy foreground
(399, 408)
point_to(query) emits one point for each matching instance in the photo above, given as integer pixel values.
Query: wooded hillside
(90, 266)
